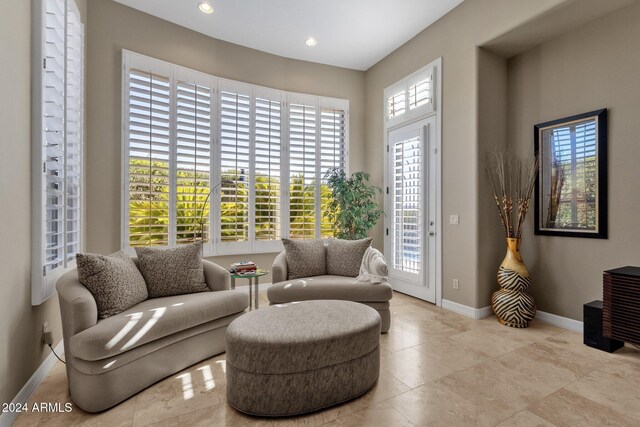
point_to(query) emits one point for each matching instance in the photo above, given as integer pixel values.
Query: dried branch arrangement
(512, 181)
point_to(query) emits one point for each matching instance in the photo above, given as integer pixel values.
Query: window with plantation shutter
(303, 171)
(420, 93)
(410, 98)
(237, 165)
(235, 160)
(58, 114)
(193, 160)
(148, 137)
(332, 156)
(396, 104)
(268, 169)
(74, 129)
(406, 194)
(54, 133)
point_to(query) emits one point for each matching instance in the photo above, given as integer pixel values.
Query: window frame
(403, 86)
(214, 246)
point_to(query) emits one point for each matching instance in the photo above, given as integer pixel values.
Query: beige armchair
(109, 360)
(329, 287)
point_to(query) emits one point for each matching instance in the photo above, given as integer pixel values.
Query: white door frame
(436, 148)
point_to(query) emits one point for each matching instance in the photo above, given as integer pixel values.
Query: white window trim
(43, 283)
(410, 115)
(213, 247)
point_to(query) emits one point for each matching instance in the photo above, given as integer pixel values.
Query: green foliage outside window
(149, 206)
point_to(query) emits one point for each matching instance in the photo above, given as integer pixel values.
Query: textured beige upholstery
(109, 360)
(301, 357)
(329, 288)
(167, 316)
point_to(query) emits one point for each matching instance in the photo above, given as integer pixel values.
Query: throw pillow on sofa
(305, 258)
(344, 257)
(113, 280)
(173, 271)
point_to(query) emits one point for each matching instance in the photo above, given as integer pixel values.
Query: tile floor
(437, 369)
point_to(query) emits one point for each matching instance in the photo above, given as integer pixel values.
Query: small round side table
(253, 281)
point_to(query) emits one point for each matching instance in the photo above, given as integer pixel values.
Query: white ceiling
(351, 33)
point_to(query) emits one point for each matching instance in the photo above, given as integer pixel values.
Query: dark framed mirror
(571, 188)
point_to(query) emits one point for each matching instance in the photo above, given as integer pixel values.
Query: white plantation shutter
(332, 155)
(407, 201)
(420, 93)
(58, 90)
(268, 169)
(148, 140)
(54, 133)
(262, 151)
(303, 171)
(193, 180)
(235, 162)
(74, 129)
(410, 98)
(397, 104)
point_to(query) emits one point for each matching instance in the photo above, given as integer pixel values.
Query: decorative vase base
(512, 305)
(513, 324)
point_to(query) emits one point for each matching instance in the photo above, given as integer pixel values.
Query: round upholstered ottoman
(300, 357)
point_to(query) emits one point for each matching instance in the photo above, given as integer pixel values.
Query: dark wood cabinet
(621, 309)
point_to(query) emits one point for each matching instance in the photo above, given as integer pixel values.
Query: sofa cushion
(328, 287)
(344, 257)
(171, 343)
(305, 258)
(173, 271)
(114, 281)
(154, 319)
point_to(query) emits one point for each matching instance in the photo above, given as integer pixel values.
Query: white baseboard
(480, 313)
(559, 321)
(7, 418)
(465, 310)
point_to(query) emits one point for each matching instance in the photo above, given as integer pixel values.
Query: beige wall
(113, 27)
(595, 66)
(21, 349)
(492, 137)
(454, 38)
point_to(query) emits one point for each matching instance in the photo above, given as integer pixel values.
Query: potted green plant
(352, 209)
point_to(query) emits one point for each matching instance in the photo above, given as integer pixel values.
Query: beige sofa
(328, 287)
(109, 360)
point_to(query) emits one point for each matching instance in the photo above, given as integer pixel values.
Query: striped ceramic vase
(512, 304)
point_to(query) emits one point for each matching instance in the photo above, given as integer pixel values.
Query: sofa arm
(279, 271)
(379, 267)
(78, 308)
(217, 277)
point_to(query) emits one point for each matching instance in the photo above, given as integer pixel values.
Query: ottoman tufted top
(302, 336)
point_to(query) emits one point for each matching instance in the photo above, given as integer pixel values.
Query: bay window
(262, 151)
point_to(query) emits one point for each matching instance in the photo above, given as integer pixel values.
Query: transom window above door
(410, 98)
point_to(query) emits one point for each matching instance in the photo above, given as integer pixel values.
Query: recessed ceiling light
(205, 7)
(311, 41)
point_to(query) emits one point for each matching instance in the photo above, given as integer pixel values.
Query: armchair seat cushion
(152, 320)
(329, 288)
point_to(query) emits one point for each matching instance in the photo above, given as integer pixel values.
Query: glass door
(410, 209)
